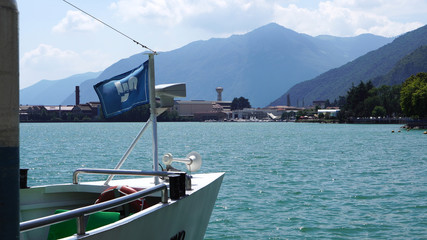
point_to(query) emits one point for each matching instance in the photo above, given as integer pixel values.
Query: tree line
(407, 99)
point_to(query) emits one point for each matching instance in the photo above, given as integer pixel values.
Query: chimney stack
(77, 95)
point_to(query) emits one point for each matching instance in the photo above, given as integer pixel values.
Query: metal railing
(80, 213)
(118, 172)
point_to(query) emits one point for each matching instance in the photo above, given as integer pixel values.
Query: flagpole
(153, 115)
(130, 149)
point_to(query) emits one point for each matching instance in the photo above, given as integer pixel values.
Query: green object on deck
(62, 229)
(100, 219)
(68, 228)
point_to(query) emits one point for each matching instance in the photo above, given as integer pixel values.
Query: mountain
(259, 65)
(411, 64)
(52, 92)
(381, 66)
(87, 93)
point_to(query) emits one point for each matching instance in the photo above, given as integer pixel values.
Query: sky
(57, 40)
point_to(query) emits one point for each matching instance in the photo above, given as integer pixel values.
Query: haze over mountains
(260, 65)
(388, 65)
(52, 92)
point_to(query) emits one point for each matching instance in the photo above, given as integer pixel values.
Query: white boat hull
(186, 218)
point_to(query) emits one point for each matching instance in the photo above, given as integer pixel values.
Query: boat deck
(42, 201)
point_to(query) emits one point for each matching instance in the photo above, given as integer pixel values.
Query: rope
(109, 26)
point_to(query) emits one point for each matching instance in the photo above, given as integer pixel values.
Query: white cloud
(76, 21)
(43, 52)
(343, 18)
(48, 62)
(169, 24)
(236, 17)
(221, 17)
(162, 12)
(170, 13)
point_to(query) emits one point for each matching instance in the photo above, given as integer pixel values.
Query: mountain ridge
(412, 63)
(374, 64)
(259, 65)
(51, 92)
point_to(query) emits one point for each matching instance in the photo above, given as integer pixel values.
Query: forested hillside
(371, 66)
(413, 63)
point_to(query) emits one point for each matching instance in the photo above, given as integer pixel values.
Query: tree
(340, 102)
(361, 100)
(356, 103)
(240, 103)
(413, 96)
(395, 101)
(389, 98)
(379, 111)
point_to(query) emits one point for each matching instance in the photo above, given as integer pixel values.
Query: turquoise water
(283, 180)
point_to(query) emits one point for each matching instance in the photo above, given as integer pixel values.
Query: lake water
(283, 180)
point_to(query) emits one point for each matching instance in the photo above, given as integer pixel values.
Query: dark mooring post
(9, 121)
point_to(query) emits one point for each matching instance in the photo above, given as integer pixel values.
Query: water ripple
(283, 180)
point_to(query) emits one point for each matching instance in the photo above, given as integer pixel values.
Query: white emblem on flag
(123, 89)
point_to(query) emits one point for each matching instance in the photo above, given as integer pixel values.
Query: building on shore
(89, 110)
(319, 104)
(331, 111)
(203, 110)
(221, 111)
(268, 113)
(197, 110)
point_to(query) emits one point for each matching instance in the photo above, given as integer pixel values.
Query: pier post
(9, 120)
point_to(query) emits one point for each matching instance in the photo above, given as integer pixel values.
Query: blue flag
(123, 92)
